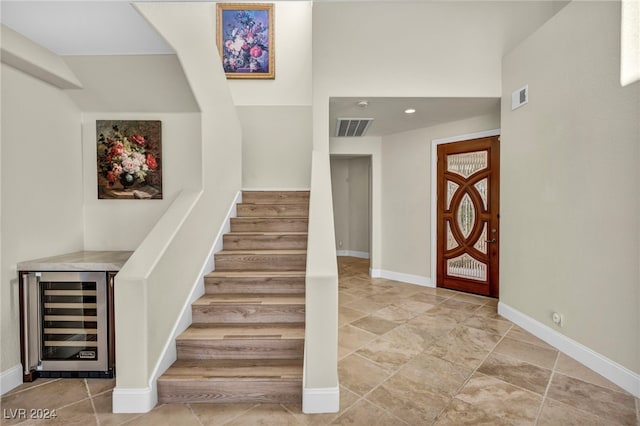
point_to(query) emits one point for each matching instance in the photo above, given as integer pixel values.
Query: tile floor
(408, 355)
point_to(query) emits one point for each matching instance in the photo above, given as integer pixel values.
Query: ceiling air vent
(352, 126)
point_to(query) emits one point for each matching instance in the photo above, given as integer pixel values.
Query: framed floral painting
(129, 159)
(245, 40)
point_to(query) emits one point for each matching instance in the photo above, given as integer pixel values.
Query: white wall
(413, 49)
(570, 188)
(351, 209)
(276, 114)
(123, 224)
(276, 146)
(41, 187)
(406, 191)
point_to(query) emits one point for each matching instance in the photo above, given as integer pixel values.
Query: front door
(468, 228)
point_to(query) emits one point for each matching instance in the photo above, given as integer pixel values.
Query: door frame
(434, 191)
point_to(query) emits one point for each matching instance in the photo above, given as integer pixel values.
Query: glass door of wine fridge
(67, 324)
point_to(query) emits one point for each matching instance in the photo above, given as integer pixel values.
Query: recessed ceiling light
(409, 110)
(363, 104)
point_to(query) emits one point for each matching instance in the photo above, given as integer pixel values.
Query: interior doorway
(351, 184)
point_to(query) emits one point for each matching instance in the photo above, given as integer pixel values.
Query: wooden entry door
(468, 228)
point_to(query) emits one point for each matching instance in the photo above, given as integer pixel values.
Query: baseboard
(10, 379)
(352, 253)
(399, 276)
(134, 400)
(618, 374)
(169, 353)
(320, 400)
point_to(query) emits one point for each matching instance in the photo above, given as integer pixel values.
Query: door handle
(490, 241)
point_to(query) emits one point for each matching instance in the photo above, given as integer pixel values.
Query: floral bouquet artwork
(245, 40)
(129, 154)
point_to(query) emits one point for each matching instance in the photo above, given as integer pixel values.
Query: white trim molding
(140, 400)
(402, 277)
(352, 253)
(10, 378)
(434, 186)
(618, 374)
(320, 400)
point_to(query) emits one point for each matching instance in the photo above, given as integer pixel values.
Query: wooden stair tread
(260, 252)
(254, 274)
(235, 369)
(264, 299)
(258, 331)
(267, 233)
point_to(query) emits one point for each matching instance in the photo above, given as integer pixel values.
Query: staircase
(246, 342)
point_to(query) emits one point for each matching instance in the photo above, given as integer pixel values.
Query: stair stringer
(169, 353)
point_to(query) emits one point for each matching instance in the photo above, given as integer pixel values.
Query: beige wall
(406, 191)
(41, 187)
(351, 209)
(276, 114)
(276, 146)
(570, 187)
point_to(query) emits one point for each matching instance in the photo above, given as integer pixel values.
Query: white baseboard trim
(134, 400)
(352, 253)
(618, 374)
(10, 378)
(399, 276)
(320, 400)
(129, 399)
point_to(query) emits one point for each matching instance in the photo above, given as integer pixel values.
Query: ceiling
(389, 117)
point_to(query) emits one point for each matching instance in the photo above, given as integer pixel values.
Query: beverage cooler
(66, 324)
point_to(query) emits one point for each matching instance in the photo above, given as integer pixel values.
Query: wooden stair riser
(261, 224)
(273, 210)
(275, 197)
(230, 261)
(253, 285)
(231, 391)
(246, 348)
(248, 314)
(265, 242)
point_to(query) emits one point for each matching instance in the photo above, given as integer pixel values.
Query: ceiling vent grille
(352, 127)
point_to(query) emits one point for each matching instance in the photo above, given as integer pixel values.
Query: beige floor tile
(375, 324)
(528, 352)
(167, 415)
(471, 298)
(264, 415)
(414, 306)
(518, 333)
(28, 385)
(570, 367)
(388, 354)
(459, 413)
(516, 372)
(78, 414)
(488, 312)
(501, 399)
(52, 395)
(217, 414)
(464, 346)
(438, 375)
(351, 338)
(428, 297)
(360, 375)
(413, 336)
(602, 402)
(444, 312)
(556, 413)
(103, 407)
(497, 326)
(395, 314)
(409, 400)
(461, 304)
(345, 298)
(347, 399)
(98, 386)
(365, 413)
(348, 315)
(366, 305)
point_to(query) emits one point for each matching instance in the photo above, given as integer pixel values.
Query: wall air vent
(352, 127)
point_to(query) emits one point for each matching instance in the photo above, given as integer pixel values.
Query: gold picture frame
(245, 39)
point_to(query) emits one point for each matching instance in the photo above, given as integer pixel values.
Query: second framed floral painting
(245, 40)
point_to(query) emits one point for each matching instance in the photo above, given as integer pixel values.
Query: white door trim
(434, 189)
